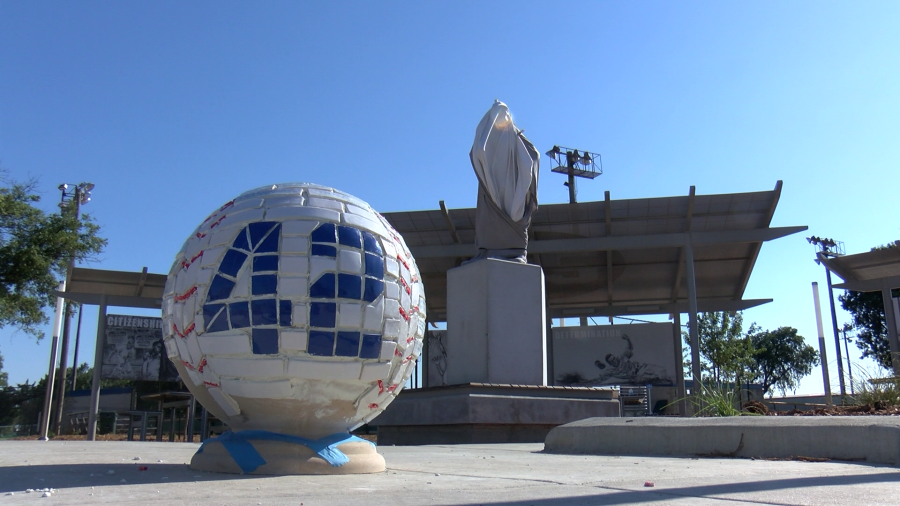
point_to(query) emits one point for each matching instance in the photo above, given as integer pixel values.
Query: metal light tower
(832, 248)
(78, 195)
(569, 161)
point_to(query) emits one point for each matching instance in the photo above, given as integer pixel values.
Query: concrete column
(891, 322)
(98, 366)
(679, 365)
(823, 357)
(54, 356)
(692, 313)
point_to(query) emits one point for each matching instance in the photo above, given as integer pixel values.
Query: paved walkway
(509, 474)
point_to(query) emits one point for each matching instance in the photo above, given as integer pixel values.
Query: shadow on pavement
(20, 478)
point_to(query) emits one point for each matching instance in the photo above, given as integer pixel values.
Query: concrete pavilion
(874, 271)
(666, 255)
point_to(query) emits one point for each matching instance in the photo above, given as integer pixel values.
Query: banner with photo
(635, 354)
(133, 349)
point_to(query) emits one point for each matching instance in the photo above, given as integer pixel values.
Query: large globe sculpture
(294, 313)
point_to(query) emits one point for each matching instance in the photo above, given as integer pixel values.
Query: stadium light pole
(76, 195)
(832, 248)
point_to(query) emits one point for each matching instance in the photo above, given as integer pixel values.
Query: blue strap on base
(248, 459)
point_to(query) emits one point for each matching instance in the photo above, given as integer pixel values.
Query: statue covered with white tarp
(506, 164)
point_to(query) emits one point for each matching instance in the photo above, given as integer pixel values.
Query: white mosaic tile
(293, 286)
(293, 340)
(183, 351)
(389, 249)
(351, 208)
(350, 261)
(212, 257)
(387, 350)
(225, 343)
(325, 203)
(305, 227)
(204, 276)
(280, 389)
(300, 315)
(247, 367)
(320, 265)
(239, 218)
(373, 315)
(285, 200)
(317, 369)
(404, 299)
(391, 267)
(242, 287)
(223, 237)
(391, 290)
(293, 265)
(244, 204)
(374, 371)
(317, 213)
(349, 315)
(194, 347)
(391, 308)
(391, 329)
(365, 224)
(291, 245)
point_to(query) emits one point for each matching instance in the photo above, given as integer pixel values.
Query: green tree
(4, 377)
(867, 310)
(35, 249)
(726, 353)
(782, 358)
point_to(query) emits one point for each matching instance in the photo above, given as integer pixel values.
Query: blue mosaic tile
(349, 236)
(259, 230)
(264, 284)
(265, 263)
(323, 288)
(374, 266)
(264, 312)
(284, 313)
(219, 289)
(240, 315)
(349, 286)
(232, 262)
(323, 233)
(320, 343)
(347, 344)
(265, 341)
(371, 346)
(214, 319)
(374, 288)
(322, 314)
(370, 243)
(321, 250)
(240, 241)
(270, 243)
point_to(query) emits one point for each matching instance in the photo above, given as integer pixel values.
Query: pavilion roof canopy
(121, 288)
(866, 272)
(615, 257)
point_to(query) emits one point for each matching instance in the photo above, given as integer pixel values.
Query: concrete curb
(873, 439)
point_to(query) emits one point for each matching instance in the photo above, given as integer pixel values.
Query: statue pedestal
(496, 324)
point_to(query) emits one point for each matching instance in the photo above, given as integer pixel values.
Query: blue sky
(173, 108)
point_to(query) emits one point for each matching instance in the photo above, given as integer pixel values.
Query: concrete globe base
(288, 459)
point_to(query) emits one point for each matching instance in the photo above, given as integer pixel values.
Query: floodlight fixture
(553, 153)
(585, 164)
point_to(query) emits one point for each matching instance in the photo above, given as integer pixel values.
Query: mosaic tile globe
(295, 309)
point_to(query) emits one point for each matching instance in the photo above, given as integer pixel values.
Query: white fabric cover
(502, 163)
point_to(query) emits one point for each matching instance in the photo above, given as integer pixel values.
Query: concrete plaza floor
(504, 474)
